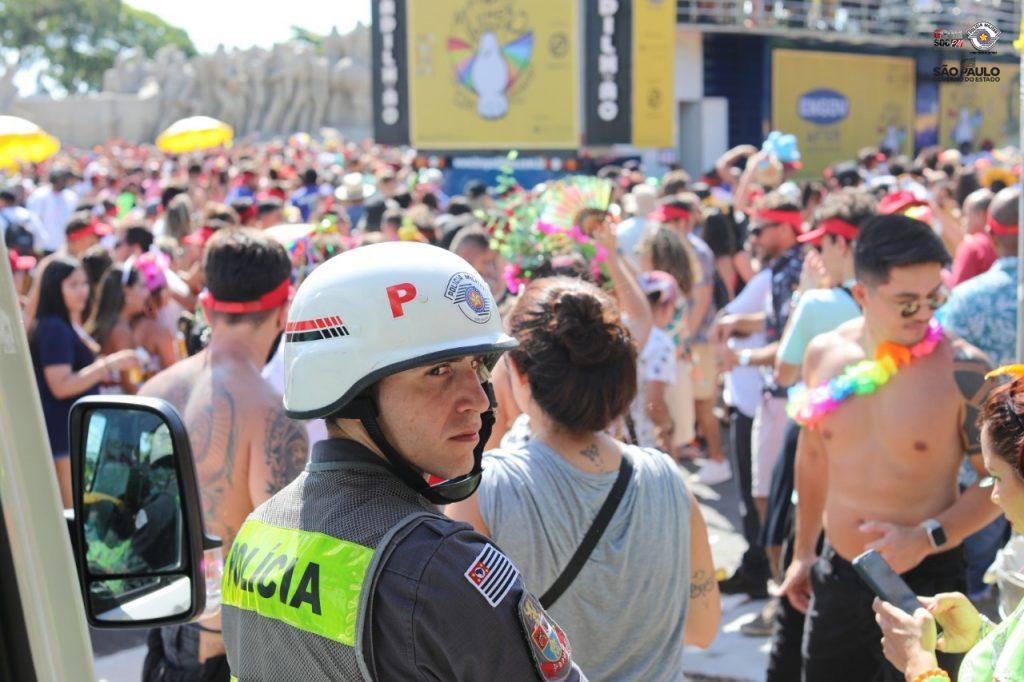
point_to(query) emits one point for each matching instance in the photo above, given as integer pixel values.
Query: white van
(132, 552)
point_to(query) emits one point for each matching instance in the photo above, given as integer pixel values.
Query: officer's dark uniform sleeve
(449, 605)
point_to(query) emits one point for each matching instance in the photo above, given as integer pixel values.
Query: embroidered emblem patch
(468, 293)
(492, 574)
(548, 645)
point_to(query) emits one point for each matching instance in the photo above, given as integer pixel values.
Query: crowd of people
(744, 324)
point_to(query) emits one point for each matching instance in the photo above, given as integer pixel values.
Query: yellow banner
(838, 103)
(654, 39)
(493, 74)
(976, 113)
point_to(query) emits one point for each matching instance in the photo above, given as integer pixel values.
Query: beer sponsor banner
(982, 111)
(489, 74)
(608, 66)
(654, 39)
(836, 103)
(390, 73)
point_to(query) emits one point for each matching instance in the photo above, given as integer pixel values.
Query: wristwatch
(936, 535)
(743, 357)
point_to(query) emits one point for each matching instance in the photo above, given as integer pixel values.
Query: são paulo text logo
(468, 293)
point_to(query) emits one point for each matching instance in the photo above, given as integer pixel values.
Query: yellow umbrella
(194, 132)
(22, 141)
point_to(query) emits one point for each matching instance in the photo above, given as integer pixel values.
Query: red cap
(831, 226)
(898, 202)
(20, 263)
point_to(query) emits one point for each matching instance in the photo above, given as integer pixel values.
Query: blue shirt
(305, 199)
(55, 342)
(983, 311)
(817, 312)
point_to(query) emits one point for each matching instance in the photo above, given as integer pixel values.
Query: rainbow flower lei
(808, 407)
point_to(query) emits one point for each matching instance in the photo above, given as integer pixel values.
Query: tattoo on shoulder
(701, 584)
(969, 369)
(591, 453)
(286, 448)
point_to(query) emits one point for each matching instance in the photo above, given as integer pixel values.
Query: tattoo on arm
(286, 448)
(701, 584)
(969, 369)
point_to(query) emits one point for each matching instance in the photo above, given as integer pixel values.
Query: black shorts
(842, 641)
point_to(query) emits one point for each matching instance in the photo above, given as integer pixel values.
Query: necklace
(808, 406)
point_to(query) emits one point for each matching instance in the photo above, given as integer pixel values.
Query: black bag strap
(594, 533)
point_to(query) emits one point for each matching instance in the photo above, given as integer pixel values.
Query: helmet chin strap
(364, 408)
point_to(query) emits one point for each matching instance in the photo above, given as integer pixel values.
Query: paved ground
(731, 657)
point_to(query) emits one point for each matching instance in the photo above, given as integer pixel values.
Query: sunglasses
(934, 302)
(756, 231)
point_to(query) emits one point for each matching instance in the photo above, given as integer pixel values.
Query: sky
(244, 23)
(241, 23)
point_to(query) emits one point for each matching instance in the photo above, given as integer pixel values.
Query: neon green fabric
(310, 581)
(1000, 653)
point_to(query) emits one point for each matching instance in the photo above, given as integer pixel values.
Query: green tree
(76, 41)
(311, 37)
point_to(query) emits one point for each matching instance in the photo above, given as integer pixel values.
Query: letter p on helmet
(399, 295)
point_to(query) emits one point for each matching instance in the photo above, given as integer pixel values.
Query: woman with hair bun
(648, 585)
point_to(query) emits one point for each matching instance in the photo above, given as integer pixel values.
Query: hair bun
(589, 332)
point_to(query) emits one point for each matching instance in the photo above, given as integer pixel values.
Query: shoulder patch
(492, 574)
(549, 647)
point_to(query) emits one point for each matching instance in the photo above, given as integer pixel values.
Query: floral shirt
(983, 311)
(779, 304)
(785, 280)
(999, 656)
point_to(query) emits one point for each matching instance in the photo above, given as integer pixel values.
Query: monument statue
(291, 87)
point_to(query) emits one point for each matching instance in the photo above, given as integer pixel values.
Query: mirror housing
(137, 528)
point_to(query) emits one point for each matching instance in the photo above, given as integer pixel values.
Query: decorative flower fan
(564, 199)
(527, 242)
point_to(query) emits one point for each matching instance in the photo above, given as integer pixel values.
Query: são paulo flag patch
(492, 574)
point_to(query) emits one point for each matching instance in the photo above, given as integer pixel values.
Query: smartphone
(884, 581)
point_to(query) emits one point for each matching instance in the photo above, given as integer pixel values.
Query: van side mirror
(142, 555)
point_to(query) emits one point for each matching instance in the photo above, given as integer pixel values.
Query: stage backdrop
(837, 103)
(976, 112)
(493, 74)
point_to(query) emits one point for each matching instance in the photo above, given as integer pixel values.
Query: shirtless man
(245, 448)
(882, 468)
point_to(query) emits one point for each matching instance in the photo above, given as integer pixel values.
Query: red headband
(666, 213)
(95, 227)
(268, 301)
(999, 229)
(200, 237)
(791, 218)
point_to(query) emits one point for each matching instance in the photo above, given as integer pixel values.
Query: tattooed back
(245, 447)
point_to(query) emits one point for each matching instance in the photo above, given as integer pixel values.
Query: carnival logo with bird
(491, 70)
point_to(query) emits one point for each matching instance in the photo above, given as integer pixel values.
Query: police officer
(351, 572)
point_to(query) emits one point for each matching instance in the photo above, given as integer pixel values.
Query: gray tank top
(625, 612)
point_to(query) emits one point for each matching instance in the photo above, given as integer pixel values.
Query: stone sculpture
(291, 87)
